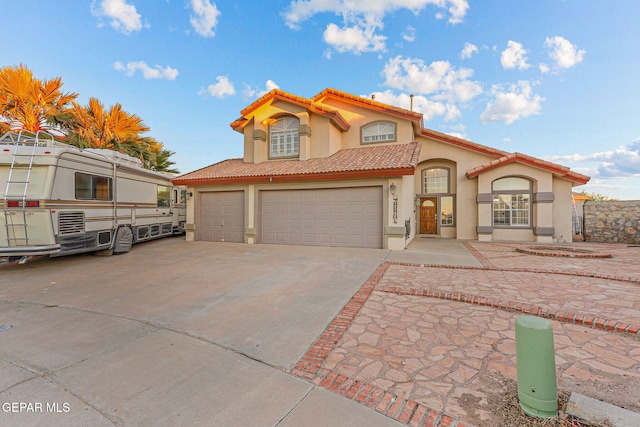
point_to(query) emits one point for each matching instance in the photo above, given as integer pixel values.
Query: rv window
(93, 187)
(164, 196)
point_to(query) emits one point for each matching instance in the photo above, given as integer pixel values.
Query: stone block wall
(612, 221)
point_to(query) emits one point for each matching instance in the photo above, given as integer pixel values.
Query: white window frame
(511, 208)
(284, 140)
(436, 181)
(378, 132)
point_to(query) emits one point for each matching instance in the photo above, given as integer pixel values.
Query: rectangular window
(511, 210)
(436, 180)
(164, 196)
(93, 187)
(446, 210)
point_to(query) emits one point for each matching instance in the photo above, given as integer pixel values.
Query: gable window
(378, 132)
(512, 202)
(284, 140)
(435, 181)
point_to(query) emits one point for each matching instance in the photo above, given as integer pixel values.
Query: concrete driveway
(175, 333)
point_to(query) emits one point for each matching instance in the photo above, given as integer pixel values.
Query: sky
(554, 79)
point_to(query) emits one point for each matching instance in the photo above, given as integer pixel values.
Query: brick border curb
(562, 255)
(478, 255)
(309, 367)
(522, 270)
(410, 412)
(311, 363)
(520, 307)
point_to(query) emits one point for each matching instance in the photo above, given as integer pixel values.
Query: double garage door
(350, 217)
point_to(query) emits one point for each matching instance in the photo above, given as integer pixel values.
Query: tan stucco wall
(459, 160)
(358, 117)
(326, 139)
(393, 236)
(556, 214)
(563, 210)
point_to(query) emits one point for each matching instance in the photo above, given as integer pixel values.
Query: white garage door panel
(221, 217)
(349, 217)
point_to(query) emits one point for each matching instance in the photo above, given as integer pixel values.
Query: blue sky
(550, 78)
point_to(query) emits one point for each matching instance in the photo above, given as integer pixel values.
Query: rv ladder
(16, 190)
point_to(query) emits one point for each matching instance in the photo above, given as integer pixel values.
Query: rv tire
(123, 240)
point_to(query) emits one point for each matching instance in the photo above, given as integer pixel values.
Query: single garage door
(221, 217)
(350, 217)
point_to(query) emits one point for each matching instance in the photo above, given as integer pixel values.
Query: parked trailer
(61, 200)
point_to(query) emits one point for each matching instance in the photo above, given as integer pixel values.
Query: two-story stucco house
(342, 170)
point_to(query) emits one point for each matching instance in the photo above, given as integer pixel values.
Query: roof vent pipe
(411, 105)
(373, 96)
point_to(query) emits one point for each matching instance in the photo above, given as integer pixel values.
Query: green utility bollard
(537, 387)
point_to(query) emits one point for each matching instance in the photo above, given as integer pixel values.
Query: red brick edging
(542, 252)
(309, 367)
(408, 411)
(530, 309)
(522, 270)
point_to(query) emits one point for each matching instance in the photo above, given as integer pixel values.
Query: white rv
(61, 200)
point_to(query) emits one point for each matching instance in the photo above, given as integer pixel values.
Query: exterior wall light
(392, 188)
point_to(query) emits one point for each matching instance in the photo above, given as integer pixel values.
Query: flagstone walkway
(435, 345)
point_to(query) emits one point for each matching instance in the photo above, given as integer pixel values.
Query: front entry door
(429, 215)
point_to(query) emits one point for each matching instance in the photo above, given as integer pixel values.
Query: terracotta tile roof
(309, 104)
(449, 139)
(369, 103)
(363, 162)
(557, 169)
(318, 104)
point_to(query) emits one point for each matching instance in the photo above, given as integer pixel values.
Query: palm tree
(161, 162)
(115, 129)
(32, 104)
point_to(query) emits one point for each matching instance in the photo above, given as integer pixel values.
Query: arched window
(284, 140)
(511, 202)
(378, 132)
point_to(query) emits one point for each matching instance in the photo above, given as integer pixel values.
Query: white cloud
(439, 79)
(544, 68)
(624, 161)
(301, 10)
(514, 56)
(124, 16)
(222, 88)
(421, 104)
(206, 17)
(354, 39)
(468, 50)
(517, 103)
(409, 34)
(251, 92)
(157, 72)
(361, 19)
(565, 54)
